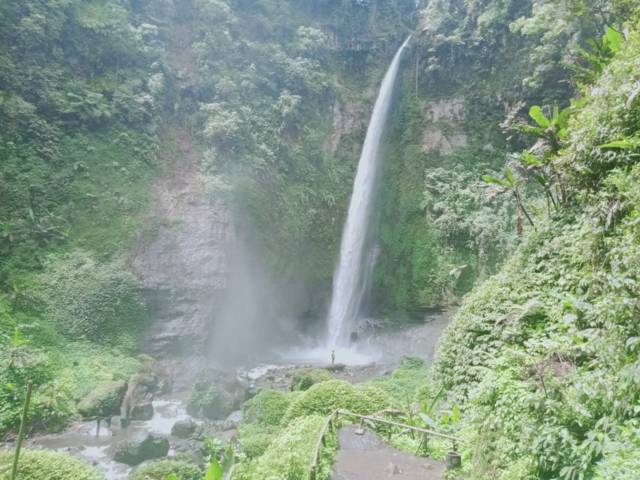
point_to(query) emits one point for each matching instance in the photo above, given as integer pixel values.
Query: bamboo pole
(23, 422)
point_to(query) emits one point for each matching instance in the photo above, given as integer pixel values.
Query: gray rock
(136, 452)
(232, 421)
(142, 411)
(181, 258)
(183, 428)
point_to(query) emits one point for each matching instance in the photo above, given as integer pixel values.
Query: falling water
(349, 280)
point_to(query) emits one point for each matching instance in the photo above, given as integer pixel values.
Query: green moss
(104, 401)
(162, 469)
(38, 465)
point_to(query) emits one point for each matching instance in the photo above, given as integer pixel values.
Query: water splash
(349, 281)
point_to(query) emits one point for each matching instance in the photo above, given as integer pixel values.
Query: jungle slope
(544, 356)
(475, 69)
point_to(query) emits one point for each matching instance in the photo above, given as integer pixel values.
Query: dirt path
(367, 457)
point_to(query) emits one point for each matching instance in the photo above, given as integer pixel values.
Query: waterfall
(350, 277)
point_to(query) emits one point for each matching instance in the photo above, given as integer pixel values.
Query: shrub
(92, 300)
(255, 439)
(42, 464)
(161, 469)
(267, 408)
(323, 398)
(306, 378)
(403, 384)
(289, 454)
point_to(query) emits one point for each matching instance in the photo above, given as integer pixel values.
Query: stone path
(367, 457)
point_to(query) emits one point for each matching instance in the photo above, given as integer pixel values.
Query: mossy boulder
(216, 394)
(210, 401)
(267, 408)
(44, 464)
(104, 401)
(134, 453)
(304, 379)
(184, 428)
(162, 469)
(323, 398)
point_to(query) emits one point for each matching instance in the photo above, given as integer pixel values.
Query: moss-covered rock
(46, 465)
(134, 453)
(210, 401)
(161, 469)
(104, 401)
(304, 379)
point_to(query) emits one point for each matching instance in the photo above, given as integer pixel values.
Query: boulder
(104, 401)
(232, 421)
(216, 394)
(141, 389)
(136, 452)
(183, 428)
(142, 411)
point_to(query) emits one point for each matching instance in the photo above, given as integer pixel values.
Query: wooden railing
(328, 428)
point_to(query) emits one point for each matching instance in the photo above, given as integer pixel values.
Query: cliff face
(182, 256)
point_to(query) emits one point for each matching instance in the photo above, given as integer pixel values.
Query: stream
(376, 356)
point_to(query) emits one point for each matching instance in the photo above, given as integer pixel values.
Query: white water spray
(350, 278)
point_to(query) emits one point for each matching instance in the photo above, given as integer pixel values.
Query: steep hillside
(476, 68)
(543, 356)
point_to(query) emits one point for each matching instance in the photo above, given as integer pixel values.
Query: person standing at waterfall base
(333, 357)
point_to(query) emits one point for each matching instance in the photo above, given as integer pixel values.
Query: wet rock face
(181, 258)
(136, 452)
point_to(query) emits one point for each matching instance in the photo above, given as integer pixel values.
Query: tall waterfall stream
(351, 275)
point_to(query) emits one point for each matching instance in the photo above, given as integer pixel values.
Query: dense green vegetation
(543, 355)
(51, 465)
(77, 105)
(511, 175)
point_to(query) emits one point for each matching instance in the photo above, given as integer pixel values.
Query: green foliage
(164, 468)
(289, 455)
(404, 384)
(95, 301)
(39, 464)
(304, 379)
(610, 114)
(543, 356)
(324, 398)
(256, 438)
(266, 408)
